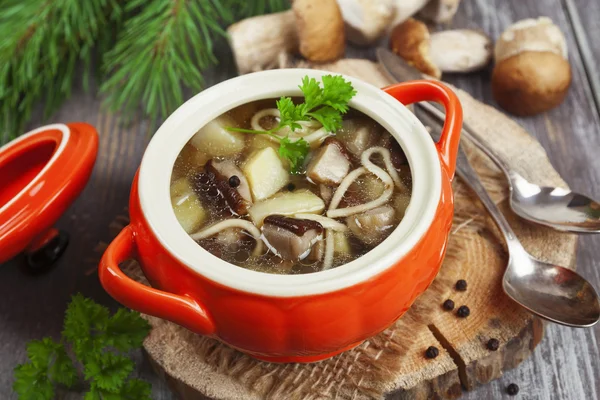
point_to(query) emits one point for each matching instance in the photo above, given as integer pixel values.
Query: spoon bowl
(557, 208)
(555, 293)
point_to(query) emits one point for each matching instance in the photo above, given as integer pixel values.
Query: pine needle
(150, 50)
(42, 42)
(165, 48)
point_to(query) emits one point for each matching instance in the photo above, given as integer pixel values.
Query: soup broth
(235, 195)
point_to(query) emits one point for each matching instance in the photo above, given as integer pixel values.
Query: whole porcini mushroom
(261, 42)
(320, 29)
(455, 51)
(366, 20)
(532, 72)
(439, 11)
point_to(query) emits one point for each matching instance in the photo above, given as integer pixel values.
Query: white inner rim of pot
(159, 158)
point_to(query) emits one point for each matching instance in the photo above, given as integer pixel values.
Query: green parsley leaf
(330, 118)
(326, 105)
(295, 152)
(32, 384)
(135, 389)
(108, 371)
(85, 325)
(49, 364)
(337, 92)
(289, 114)
(40, 352)
(126, 330)
(62, 369)
(94, 393)
(312, 93)
(95, 338)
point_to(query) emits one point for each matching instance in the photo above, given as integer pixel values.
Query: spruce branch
(42, 42)
(149, 50)
(165, 47)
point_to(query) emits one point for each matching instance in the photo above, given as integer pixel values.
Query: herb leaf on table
(99, 342)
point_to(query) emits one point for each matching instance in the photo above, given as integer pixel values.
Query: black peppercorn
(512, 389)
(291, 187)
(463, 311)
(234, 181)
(461, 285)
(448, 305)
(432, 352)
(493, 344)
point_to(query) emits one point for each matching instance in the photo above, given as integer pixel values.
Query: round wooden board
(392, 364)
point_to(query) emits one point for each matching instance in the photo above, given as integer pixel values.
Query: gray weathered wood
(583, 15)
(565, 365)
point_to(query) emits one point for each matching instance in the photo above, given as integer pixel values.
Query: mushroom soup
(234, 194)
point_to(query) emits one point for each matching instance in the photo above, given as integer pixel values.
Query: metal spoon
(552, 292)
(557, 208)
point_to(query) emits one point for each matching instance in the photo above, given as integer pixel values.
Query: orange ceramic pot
(41, 173)
(288, 318)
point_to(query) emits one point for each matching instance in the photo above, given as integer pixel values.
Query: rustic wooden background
(566, 365)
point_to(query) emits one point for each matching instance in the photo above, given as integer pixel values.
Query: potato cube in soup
(287, 203)
(259, 142)
(341, 244)
(187, 206)
(216, 141)
(266, 173)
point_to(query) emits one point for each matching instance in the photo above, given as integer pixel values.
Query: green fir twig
(40, 46)
(147, 51)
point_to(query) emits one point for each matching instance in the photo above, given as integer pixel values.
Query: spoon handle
(433, 111)
(468, 174)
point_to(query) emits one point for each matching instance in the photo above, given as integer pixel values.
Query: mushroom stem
(366, 20)
(258, 43)
(228, 224)
(460, 50)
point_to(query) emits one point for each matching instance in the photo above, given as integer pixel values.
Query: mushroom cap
(410, 40)
(531, 82)
(530, 35)
(320, 29)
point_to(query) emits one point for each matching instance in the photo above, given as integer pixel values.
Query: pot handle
(427, 90)
(182, 310)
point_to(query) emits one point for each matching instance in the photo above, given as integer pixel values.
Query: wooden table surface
(566, 365)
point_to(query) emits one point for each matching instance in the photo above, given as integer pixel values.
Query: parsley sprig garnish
(99, 342)
(325, 104)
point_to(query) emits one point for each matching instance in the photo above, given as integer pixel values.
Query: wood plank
(583, 15)
(561, 366)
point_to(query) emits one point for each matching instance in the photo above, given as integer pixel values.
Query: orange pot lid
(41, 173)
